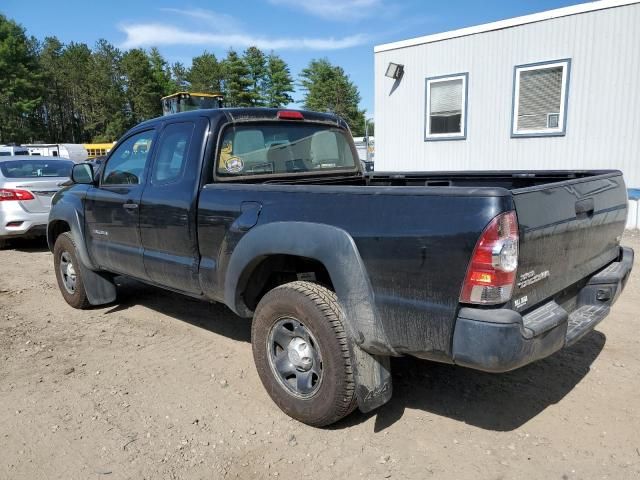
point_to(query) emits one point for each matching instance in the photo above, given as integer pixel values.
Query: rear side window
(283, 148)
(126, 165)
(36, 168)
(173, 149)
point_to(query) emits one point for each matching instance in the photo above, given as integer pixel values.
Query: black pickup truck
(268, 211)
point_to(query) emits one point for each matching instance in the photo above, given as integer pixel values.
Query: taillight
(492, 269)
(9, 194)
(290, 115)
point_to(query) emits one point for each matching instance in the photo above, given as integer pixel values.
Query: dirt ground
(163, 386)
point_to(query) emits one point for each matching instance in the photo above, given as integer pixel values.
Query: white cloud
(224, 31)
(156, 34)
(222, 22)
(342, 10)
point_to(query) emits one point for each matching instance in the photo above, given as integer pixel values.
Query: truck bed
(408, 226)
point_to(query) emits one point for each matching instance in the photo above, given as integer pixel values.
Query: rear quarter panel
(414, 242)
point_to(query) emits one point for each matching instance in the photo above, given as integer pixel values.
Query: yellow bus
(185, 101)
(97, 149)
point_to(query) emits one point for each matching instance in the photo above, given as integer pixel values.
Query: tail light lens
(492, 269)
(11, 194)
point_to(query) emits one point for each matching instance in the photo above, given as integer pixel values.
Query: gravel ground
(163, 386)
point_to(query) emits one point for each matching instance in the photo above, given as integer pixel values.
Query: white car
(27, 184)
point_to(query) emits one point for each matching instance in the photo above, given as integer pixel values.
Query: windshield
(283, 148)
(36, 168)
(196, 102)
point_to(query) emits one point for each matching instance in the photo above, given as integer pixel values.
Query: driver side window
(126, 165)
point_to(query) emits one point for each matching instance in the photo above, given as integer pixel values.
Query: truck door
(168, 210)
(112, 209)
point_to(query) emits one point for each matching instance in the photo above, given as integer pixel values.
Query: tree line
(71, 93)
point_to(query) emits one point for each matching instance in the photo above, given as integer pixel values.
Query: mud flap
(99, 287)
(372, 374)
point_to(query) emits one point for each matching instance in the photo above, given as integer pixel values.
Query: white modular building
(553, 90)
(73, 151)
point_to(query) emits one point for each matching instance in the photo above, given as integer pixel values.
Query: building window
(540, 99)
(446, 107)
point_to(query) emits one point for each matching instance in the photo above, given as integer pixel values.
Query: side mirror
(82, 173)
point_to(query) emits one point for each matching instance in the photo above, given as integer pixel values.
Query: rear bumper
(500, 340)
(26, 223)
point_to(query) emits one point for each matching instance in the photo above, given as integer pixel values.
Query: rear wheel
(302, 355)
(68, 272)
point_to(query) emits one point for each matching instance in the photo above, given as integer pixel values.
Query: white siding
(603, 129)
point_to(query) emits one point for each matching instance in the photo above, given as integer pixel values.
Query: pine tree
(179, 74)
(161, 72)
(278, 84)
(53, 108)
(328, 88)
(107, 119)
(77, 65)
(205, 74)
(237, 82)
(142, 88)
(21, 85)
(257, 65)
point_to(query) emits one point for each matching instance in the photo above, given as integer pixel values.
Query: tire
(3, 243)
(64, 253)
(319, 390)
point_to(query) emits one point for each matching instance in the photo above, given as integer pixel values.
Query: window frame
(434, 137)
(145, 172)
(561, 130)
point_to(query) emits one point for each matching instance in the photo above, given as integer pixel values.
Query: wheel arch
(67, 215)
(337, 252)
(327, 248)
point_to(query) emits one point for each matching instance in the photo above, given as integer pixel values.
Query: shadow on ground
(498, 402)
(37, 244)
(214, 317)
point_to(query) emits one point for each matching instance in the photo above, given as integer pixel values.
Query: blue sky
(344, 31)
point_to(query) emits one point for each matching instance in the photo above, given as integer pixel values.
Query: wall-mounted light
(394, 70)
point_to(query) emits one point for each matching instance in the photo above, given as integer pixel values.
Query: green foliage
(107, 119)
(237, 81)
(179, 75)
(205, 74)
(161, 72)
(142, 87)
(21, 84)
(278, 85)
(53, 92)
(328, 88)
(257, 66)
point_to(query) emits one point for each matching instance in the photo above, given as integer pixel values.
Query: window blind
(540, 93)
(446, 97)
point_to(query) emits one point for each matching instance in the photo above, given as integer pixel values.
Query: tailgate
(568, 230)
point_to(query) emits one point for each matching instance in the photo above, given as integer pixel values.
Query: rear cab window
(261, 149)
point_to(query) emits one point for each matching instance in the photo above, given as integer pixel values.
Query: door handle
(130, 206)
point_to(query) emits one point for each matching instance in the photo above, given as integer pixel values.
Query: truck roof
(249, 113)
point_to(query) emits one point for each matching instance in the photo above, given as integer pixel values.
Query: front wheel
(68, 272)
(302, 354)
